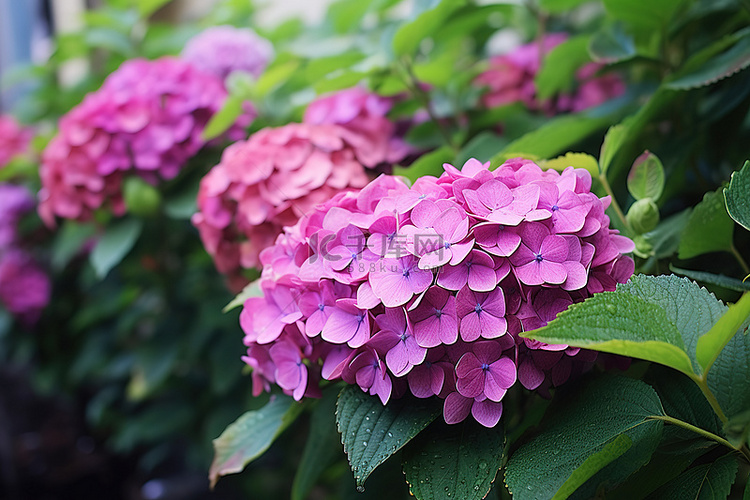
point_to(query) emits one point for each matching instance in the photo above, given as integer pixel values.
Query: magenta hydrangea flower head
(220, 50)
(24, 285)
(14, 139)
(510, 78)
(269, 181)
(434, 288)
(146, 120)
(376, 139)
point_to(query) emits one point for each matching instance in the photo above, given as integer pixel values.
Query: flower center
(478, 308)
(538, 257)
(354, 255)
(438, 313)
(485, 366)
(360, 317)
(468, 263)
(405, 273)
(555, 208)
(321, 307)
(404, 336)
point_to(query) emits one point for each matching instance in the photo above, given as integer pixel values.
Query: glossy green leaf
(224, 118)
(114, 245)
(407, 38)
(713, 279)
(577, 160)
(346, 15)
(559, 66)
(658, 319)
(613, 140)
(646, 177)
(322, 448)
(711, 481)
(454, 461)
(611, 44)
(642, 15)
(710, 344)
(580, 426)
(273, 77)
(339, 80)
(372, 432)
(556, 136)
(250, 436)
(709, 229)
(729, 376)
(737, 196)
(252, 289)
(664, 240)
(717, 68)
(690, 307)
(428, 164)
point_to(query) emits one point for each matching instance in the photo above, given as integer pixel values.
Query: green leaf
(717, 68)
(148, 7)
(737, 196)
(274, 77)
(319, 68)
(577, 160)
(182, 204)
(614, 139)
(252, 289)
(559, 66)
(688, 306)
(69, 240)
(658, 319)
(704, 482)
(559, 6)
(643, 16)
(482, 147)
(114, 245)
(428, 164)
(646, 178)
(611, 44)
(593, 464)
(454, 461)
(665, 239)
(709, 228)
(346, 15)
(729, 377)
(250, 436)
(322, 446)
(713, 279)
(224, 118)
(340, 80)
(643, 216)
(710, 345)
(407, 38)
(371, 432)
(582, 425)
(554, 137)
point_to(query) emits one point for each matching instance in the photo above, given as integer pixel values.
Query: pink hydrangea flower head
(14, 139)
(453, 270)
(147, 120)
(510, 78)
(220, 50)
(267, 182)
(363, 115)
(24, 286)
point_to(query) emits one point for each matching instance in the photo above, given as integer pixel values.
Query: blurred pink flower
(14, 139)
(220, 50)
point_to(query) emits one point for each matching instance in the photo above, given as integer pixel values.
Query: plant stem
(703, 432)
(615, 205)
(739, 258)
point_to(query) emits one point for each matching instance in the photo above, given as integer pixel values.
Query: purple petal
(487, 412)
(456, 408)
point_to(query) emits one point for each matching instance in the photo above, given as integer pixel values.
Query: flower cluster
(145, 120)
(376, 139)
(24, 286)
(268, 182)
(426, 288)
(510, 78)
(14, 139)
(220, 50)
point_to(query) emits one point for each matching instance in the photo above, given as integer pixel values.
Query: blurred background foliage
(134, 344)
